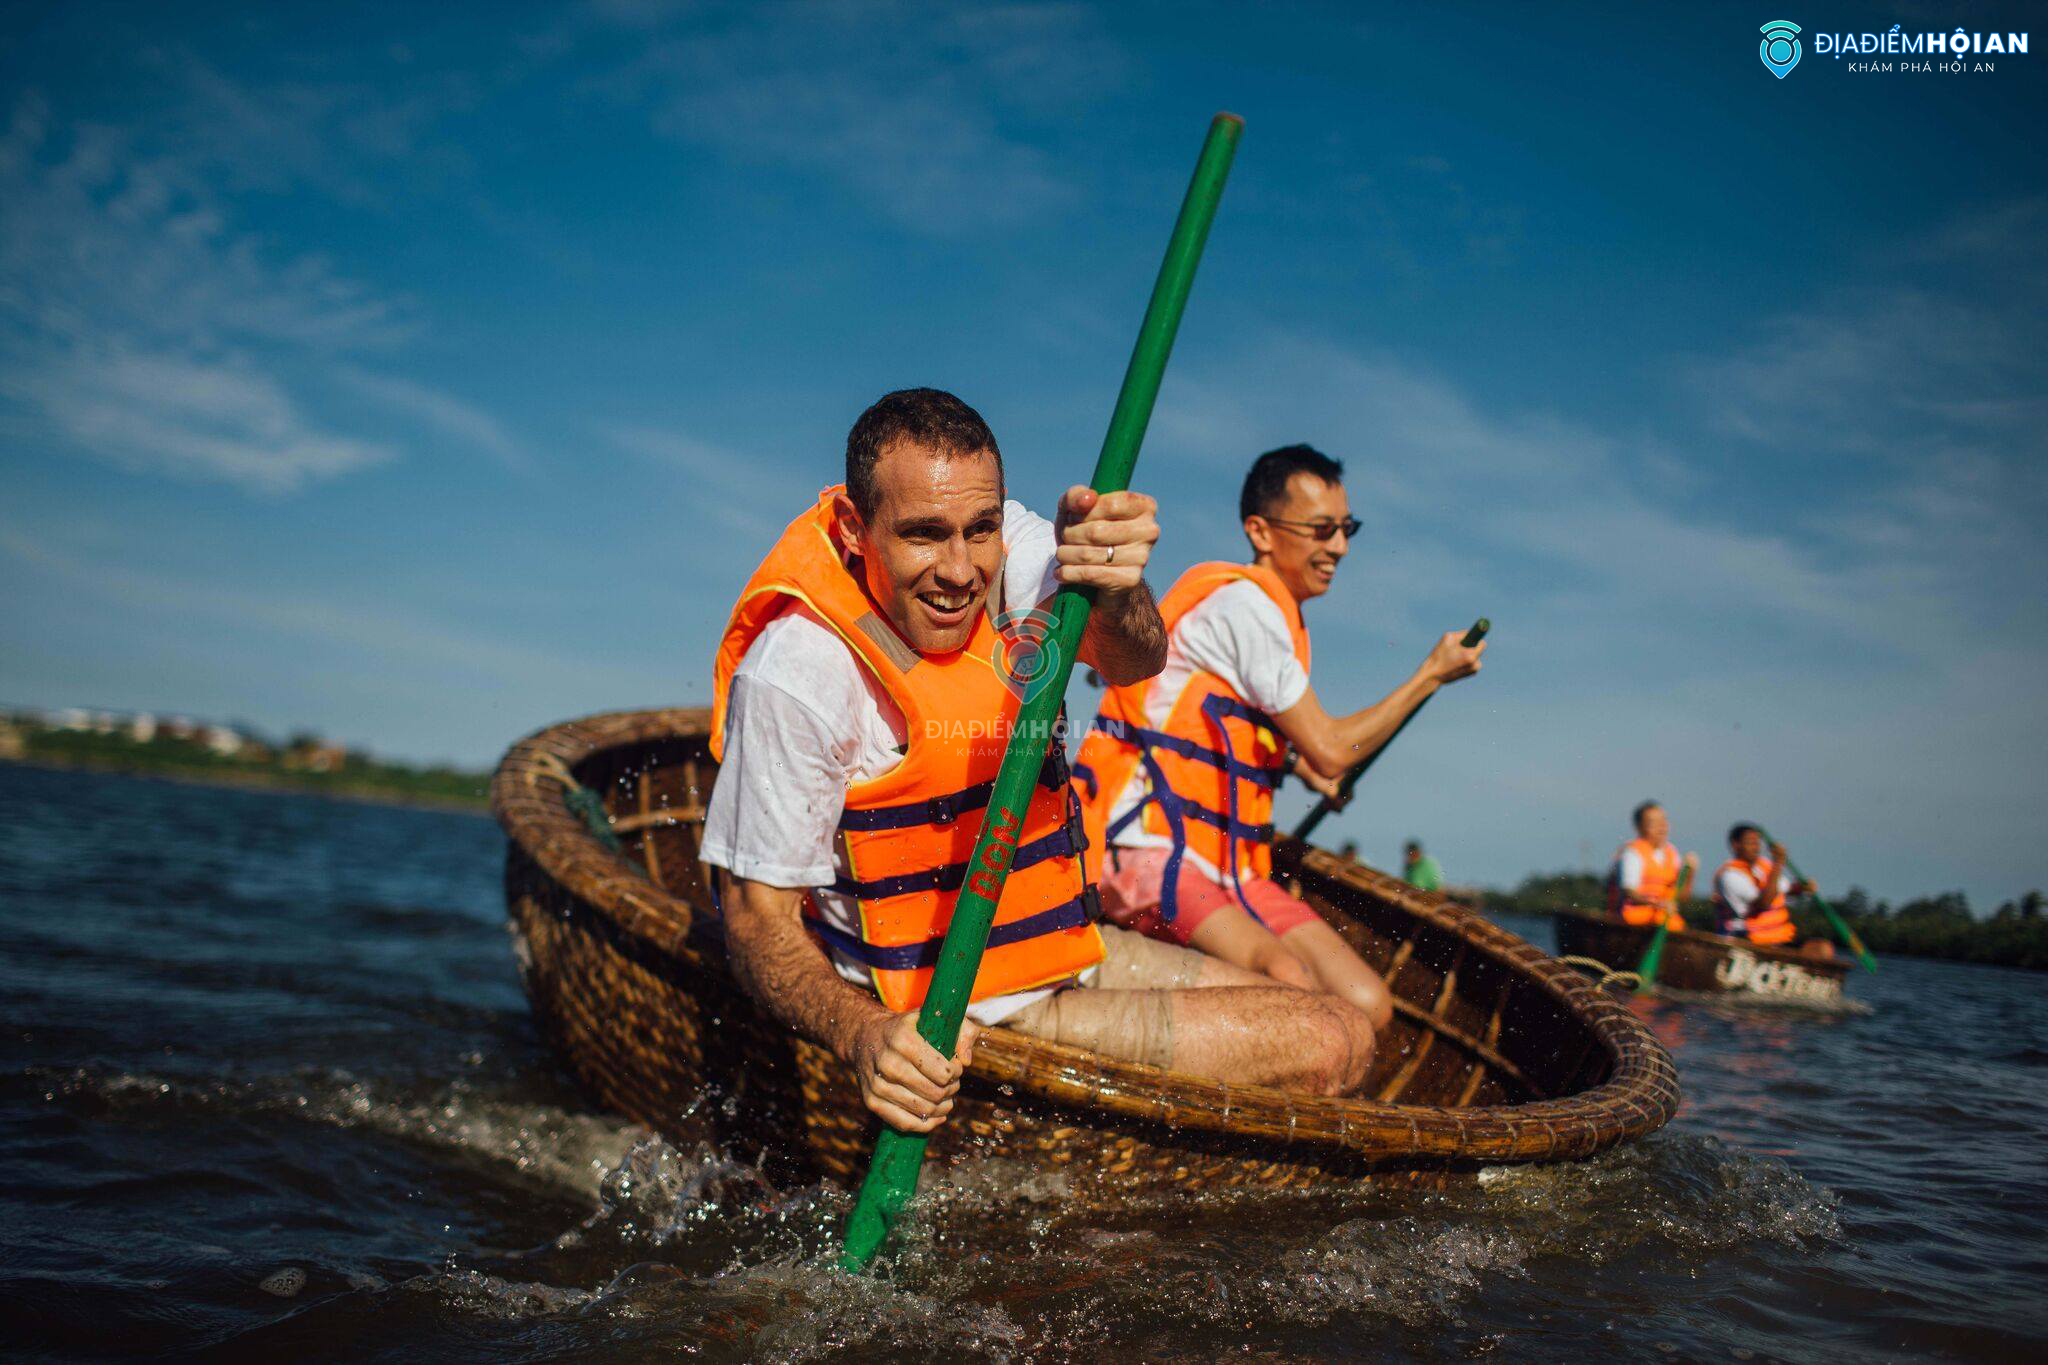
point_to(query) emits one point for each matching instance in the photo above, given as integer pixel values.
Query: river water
(268, 1087)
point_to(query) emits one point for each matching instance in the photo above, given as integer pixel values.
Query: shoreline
(257, 781)
(1482, 900)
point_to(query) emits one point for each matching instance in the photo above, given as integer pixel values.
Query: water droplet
(286, 1283)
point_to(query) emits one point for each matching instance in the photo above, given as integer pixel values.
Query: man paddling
(1642, 882)
(1750, 892)
(1178, 772)
(863, 692)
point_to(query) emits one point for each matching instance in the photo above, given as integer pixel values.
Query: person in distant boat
(1420, 870)
(1750, 894)
(1642, 883)
(1177, 774)
(863, 694)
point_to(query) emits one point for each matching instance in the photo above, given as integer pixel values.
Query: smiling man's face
(1306, 565)
(934, 543)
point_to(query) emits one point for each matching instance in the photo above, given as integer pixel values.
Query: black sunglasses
(1323, 530)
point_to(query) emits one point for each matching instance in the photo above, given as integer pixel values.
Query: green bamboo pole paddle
(1840, 925)
(899, 1157)
(1652, 955)
(1350, 783)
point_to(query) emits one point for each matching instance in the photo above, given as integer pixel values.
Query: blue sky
(426, 376)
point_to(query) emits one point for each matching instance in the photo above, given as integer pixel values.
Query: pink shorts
(1130, 896)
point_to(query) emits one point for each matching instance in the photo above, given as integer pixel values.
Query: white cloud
(1658, 531)
(444, 413)
(219, 419)
(140, 326)
(137, 327)
(917, 109)
(104, 237)
(385, 639)
(1923, 349)
(753, 496)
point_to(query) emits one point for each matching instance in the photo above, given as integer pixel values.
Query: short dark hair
(1737, 831)
(1645, 809)
(930, 417)
(1266, 482)
(1412, 846)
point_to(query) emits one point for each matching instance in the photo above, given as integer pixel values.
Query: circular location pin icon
(1780, 48)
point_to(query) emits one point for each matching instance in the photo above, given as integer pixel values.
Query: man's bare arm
(782, 967)
(903, 1079)
(1334, 745)
(1125, 641)
(1105, 540)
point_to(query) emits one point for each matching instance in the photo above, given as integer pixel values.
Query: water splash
(541, 1144)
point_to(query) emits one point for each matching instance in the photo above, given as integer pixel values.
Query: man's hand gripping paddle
(899, 1157)
(1840, 925)
(1350, 783)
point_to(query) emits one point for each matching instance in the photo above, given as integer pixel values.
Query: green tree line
(351, 774)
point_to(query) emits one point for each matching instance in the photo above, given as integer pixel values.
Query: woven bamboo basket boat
(1706, 964)
(1497, 1053)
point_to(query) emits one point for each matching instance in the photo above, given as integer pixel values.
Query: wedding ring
(1109, 555)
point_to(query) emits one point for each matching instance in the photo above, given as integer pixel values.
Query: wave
(537, 1143)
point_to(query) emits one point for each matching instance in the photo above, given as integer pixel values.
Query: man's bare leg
(1247, 1035)
(1310, 957)
(1235, 937)
(1189, 1012)
(1339, 970)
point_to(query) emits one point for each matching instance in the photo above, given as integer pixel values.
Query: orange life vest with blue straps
(1768, 922)
(1210, 770)
(907, 834)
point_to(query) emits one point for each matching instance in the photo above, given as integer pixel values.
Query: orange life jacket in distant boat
(1660, 879)
(908, 833)
(1210, 772)
(1768, 922)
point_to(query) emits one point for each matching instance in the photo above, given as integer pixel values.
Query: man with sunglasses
(1177, 774)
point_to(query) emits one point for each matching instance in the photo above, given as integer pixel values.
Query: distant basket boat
(1497, 1053)
(1711, 964)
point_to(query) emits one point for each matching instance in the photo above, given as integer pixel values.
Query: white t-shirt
(1240, 635)
(1735, 888)
(1629, 869)
(804, 721)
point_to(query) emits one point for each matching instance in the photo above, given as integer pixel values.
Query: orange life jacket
(1211, 770)
(1768, 921)
(908, 833)
(1660, 879)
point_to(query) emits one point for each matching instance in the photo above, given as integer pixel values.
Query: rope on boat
(1633, 981)
(580, 800)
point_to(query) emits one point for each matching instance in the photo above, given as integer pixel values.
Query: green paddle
(899, 1157)
(1652, 955)
(1350, 783)
(1840, 926)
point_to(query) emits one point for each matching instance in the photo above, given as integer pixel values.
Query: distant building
(222, 740)
(315, 755)
(142, 727)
